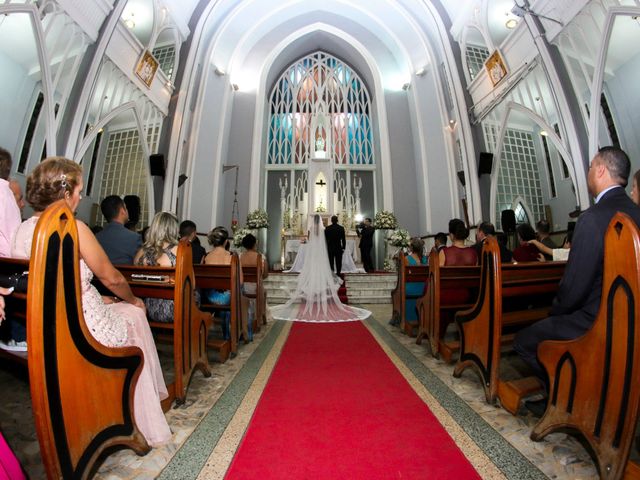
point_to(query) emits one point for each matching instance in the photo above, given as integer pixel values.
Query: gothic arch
(538, 120)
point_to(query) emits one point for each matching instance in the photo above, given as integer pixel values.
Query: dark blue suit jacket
(119, 243)
(578, 299)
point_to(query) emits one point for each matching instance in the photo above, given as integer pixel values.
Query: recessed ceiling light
(129, 22)
(511, 23)
(543, 133)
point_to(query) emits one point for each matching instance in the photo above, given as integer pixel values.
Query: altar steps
(362, 288)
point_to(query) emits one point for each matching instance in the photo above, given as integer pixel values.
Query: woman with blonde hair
(112, 323)
(160, 248)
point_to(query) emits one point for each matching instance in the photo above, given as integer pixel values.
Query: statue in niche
(320, 144)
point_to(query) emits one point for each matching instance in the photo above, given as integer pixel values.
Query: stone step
(361, 288)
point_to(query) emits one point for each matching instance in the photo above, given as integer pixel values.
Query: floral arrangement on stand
(240, 234)
(257, 219)
(399, 238)
(321, 208)
(385, 220)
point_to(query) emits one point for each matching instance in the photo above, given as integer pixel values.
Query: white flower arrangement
(385, 220)
(389, 265)
(321, 208)
(400, 238)
(257, 219)
(240, 234)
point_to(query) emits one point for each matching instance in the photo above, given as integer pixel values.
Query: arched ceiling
(244, 34)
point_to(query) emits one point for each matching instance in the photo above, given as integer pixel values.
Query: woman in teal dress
(416, 257)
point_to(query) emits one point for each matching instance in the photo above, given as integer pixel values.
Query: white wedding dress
(314, 298)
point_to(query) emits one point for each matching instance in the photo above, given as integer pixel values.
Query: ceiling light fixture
(543, 133)
(129, 22)
(235, 86)
(421, 71)
(511, 23)
(218, 71)
(406, 86)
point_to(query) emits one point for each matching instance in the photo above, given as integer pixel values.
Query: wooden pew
(190, 326)
(223, 277)
(81, 391)
(593, 380)
(481, 327)
(406, 273)
(16, 304)
(257, 275)
(435, 311)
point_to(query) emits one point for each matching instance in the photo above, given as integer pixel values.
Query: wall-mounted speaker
(485, 164)
(156, 165)
(508, 221)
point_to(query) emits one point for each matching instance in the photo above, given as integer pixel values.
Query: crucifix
(321, 182)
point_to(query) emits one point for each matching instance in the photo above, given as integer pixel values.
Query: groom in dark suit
(336, 243)
(576, 305)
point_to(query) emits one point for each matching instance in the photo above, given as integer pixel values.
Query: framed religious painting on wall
(496, 68)
(146, 68)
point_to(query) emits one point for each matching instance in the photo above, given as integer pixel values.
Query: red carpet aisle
(336, 407)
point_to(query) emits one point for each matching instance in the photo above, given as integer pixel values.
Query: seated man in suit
(119, 243)
(486, 229)
(188, 230)
(576, 305)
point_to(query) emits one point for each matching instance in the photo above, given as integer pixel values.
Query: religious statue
(319, 144)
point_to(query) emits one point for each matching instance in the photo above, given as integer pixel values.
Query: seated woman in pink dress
(457, 254)
(113, 322)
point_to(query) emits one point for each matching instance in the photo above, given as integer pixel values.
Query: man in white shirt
(9, 211)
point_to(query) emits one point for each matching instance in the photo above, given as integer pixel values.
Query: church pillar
(567, 102)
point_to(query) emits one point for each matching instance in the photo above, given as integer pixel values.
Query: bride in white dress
(315, 297)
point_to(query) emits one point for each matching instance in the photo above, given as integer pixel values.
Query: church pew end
(190, 326)
(81, 391)
(482, 335)
(592, 379)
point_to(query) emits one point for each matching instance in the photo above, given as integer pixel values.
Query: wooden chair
(435, 311)
(190, 325)
(223, 277)
(81, 391)
(257, 275)
(481, 327)
(406, 273)
(594, 388)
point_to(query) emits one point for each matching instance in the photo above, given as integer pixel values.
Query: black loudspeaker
(486, 163)
(508, 221)
(132, 203)
(461, 177)
(156, 165)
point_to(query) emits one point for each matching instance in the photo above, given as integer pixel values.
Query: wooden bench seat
(81, 391)
(406, 273)
(436, 311)
(223, 277)
(511, 296)
(190, 326)
(593, 380)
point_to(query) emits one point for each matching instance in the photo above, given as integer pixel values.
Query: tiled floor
(559, 456)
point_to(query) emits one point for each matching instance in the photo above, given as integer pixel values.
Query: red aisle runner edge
(336, 407)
